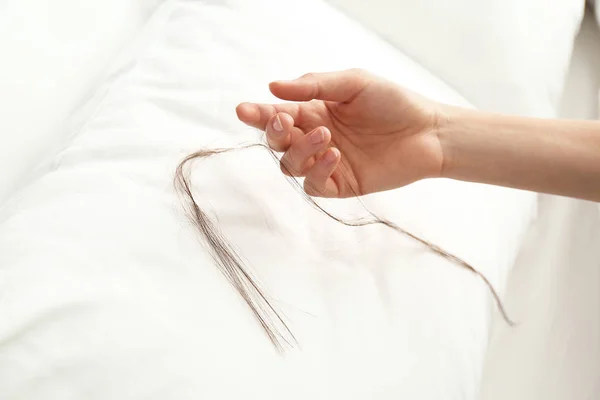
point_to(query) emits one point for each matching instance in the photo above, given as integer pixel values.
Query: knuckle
(288, 168)
(296, 156)
(315, 87)
(275, 144)
(311, 189)
(315, 90)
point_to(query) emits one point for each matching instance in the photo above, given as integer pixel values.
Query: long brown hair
(233, 267)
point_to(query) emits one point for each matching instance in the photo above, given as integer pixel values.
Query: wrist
(451, 128)
(540, 155)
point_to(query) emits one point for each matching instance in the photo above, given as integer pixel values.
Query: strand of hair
(233, 268)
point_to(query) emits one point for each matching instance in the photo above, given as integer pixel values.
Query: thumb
(341, 86)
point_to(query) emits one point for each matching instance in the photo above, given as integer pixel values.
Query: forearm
(549, 156)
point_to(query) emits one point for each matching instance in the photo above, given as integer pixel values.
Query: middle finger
(301, 154)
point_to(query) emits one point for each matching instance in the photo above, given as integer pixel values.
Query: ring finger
(301, 154)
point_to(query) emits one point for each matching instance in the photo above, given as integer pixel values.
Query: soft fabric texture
(54, 53)
(503, 55)
(554, 289)
(107, 291)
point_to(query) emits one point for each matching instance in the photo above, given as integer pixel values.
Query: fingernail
(277, 124)
(317, 136)
(331, 156)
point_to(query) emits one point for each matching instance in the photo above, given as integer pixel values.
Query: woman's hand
(350, 133)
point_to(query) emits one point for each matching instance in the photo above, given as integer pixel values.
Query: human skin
(352, 133)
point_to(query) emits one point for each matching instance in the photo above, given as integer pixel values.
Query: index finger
(258, 115)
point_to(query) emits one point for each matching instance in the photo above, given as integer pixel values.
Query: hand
(350, 133)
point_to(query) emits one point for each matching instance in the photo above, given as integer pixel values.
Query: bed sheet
(107, 292)
(484, 48)
(53, 55)
(554, 291)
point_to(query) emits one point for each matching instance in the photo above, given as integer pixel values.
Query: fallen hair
(233, 267)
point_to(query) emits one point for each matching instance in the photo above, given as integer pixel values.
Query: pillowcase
(53, 56)
(507, 56)
(107, 291)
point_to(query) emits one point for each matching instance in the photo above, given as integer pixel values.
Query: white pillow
(503, 55)
(54, 53)
(107, 293)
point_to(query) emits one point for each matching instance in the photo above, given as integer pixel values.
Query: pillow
(507, 56)
(53, 55)
(108, 292)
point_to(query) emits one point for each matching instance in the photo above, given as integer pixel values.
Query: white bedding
(107, 293)
(54, 53)
(508, 56)
(554, 290)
